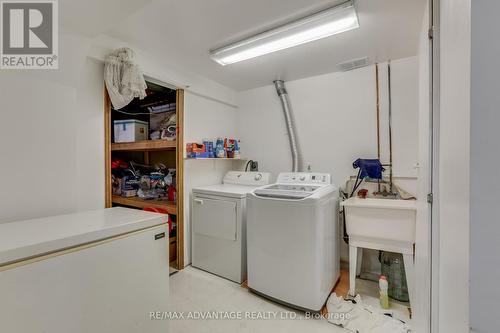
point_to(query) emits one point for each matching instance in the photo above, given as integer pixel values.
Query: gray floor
(195, 290)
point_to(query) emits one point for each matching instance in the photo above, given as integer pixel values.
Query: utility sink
(381, 224)
(388, 220)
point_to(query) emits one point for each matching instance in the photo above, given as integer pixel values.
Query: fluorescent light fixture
(323, 24)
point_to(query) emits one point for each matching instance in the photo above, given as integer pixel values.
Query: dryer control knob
(302, 178)
(258, 176)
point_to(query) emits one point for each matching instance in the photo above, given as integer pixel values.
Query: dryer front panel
(215, 218)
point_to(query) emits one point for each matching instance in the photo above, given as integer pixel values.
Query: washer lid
(225, 190)
(287, 191)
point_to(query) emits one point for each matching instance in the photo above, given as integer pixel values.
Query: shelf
(214, 159)
(146, 145)
(137, 202)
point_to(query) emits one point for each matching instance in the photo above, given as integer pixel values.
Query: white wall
(51, 140)
(485, 186)
(336, 123)
(335, 119)
(203, 118)
(453, 167)
(52, 130)
(156, 67)
(90, 137)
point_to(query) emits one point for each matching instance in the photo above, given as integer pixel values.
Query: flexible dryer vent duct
(290, 126)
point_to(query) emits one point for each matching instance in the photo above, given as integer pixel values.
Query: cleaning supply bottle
(219, 148)
(384, 294)
(237, 149)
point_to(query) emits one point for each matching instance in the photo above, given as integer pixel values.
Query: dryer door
(215, 218)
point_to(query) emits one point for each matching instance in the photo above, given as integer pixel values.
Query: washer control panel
(304, 178)
(247, 178)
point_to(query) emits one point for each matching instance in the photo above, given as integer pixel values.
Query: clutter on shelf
(172, 225)
(162, 126)
(144, 181)
(220, 148)
(163, 123)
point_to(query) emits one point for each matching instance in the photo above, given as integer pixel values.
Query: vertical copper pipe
(378, 118)
(378, 111)
(390, 122)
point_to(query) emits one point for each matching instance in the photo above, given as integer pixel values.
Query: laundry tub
(381, 224)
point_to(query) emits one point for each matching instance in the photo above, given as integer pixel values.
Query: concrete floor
(195, 291)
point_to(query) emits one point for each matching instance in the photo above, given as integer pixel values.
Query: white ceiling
(184, 31)
(92, 17)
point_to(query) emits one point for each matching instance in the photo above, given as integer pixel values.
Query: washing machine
(219, 224)
(293, 240)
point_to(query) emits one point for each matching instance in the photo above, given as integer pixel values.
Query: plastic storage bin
(130, 130)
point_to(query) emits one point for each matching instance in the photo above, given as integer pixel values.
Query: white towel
(123, 78)
(361, 318)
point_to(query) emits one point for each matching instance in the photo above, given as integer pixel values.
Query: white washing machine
(293, 240)
(219, 224)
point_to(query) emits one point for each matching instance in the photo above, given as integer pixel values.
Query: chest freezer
(99, 271)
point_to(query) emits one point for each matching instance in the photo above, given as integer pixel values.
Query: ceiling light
(323, 24)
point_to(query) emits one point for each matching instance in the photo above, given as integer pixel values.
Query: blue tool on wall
(371, 168)
(368, 168)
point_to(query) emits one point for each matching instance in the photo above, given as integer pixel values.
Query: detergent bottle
(384, 294)
(220, 152)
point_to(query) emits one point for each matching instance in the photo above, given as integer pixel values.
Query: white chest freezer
(101, 271)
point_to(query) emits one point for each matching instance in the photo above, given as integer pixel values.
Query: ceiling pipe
(290, 125)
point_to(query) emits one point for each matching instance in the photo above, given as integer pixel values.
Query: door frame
(179, 161)
(180, 177)
(434, 166)
(450, 167)
(434, 80)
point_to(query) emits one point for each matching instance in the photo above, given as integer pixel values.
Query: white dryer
(293, 240)
(219, 224)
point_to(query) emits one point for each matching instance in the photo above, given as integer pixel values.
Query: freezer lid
(31, 238)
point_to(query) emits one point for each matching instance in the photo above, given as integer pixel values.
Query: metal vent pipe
(290, 125)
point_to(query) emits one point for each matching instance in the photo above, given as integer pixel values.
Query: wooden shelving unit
(153, 151)
(148, 145)
(136, 202)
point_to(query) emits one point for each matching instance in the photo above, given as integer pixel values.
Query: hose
(290, 126)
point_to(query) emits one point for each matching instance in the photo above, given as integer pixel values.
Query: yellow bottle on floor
(384, 294)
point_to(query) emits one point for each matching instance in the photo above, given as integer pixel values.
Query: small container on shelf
(196, 150)
(130, 130)
(209, 147)
(236, 149)
(220, 151)
(227, 148)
